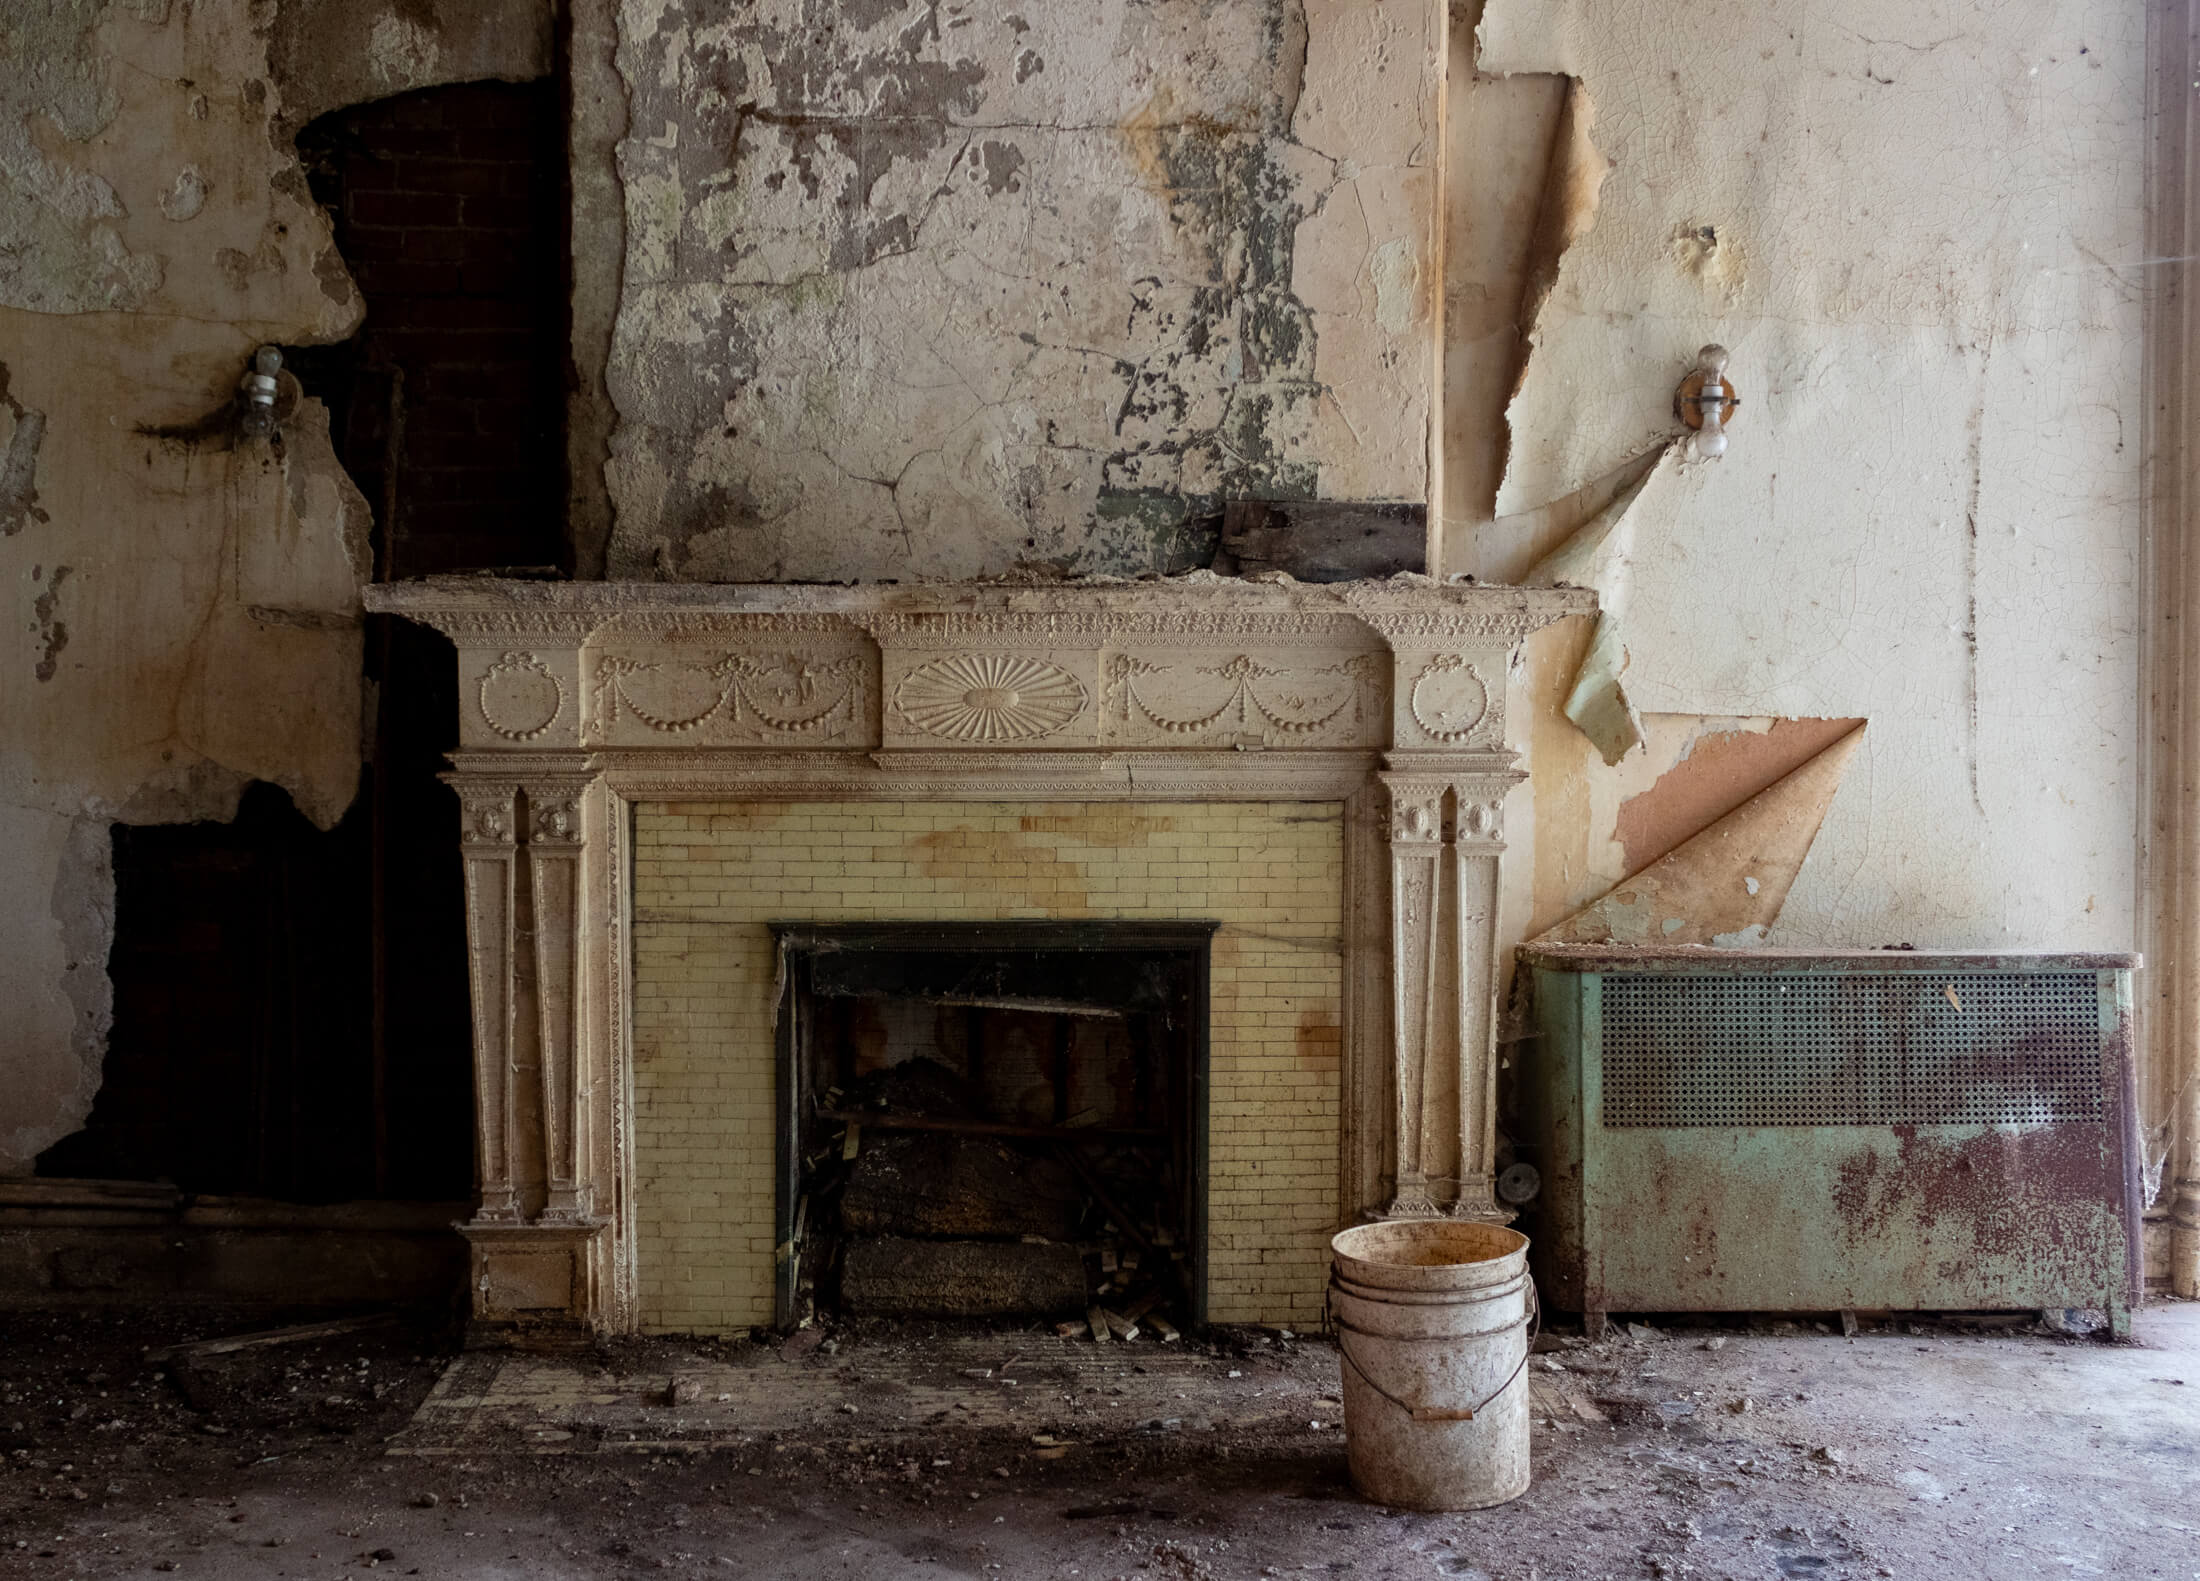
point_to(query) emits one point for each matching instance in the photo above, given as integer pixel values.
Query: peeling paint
(185, 196)
(1714, 260)
(401, 51)
(1906, 527)
(1396, 271)
(26, 431)
(1573, 187)
(922, 296)
(186, 606)
(54, 937)
(61, 249)
(324, 54)
(53, 631)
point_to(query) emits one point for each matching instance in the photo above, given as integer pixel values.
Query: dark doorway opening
(291, 1011)
(994, 1120)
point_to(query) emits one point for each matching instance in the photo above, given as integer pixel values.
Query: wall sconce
(256, 393)
(1706, 402)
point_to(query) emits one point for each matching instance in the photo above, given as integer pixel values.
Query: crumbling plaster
(1919, 228)
(186, 601)
(940, 288)
(326, 54)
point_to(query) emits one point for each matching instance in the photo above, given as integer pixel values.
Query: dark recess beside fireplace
(995, 1119)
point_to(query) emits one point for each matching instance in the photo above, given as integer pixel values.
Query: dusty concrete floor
(1936, 1452)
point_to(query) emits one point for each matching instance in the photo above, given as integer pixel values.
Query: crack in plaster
(899, 189)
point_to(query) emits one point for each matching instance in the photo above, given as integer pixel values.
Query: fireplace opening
(994, 1120)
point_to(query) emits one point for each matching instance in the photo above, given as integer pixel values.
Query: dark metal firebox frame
(801, 943)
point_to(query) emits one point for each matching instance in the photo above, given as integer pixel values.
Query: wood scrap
(294, 1334)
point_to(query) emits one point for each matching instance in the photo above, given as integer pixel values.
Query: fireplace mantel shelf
(579, 699)
(585, 604)
(1200, 663)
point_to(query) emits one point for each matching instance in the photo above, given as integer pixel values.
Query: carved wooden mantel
(578, 699)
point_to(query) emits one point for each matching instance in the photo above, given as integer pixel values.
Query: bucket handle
(1532, 1319)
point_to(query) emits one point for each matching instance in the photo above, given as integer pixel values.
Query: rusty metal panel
(1874, 1131)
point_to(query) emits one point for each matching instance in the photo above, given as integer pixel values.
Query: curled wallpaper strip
(1600, 555)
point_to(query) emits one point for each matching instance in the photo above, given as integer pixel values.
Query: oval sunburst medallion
(989, 697)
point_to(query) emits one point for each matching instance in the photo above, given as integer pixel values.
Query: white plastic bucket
(1433, 1322)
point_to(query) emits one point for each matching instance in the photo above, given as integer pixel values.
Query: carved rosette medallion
(1449, 699)
(520, 698)
(554, 817)
(1479, 820)
(485, 811)
(1416, 813)
(989, 697)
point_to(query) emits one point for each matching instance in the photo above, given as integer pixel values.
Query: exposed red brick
(446, 205)
(406, 209)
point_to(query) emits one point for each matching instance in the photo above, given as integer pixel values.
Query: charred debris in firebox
(996, 1121)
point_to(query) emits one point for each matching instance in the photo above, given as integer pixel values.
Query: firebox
(993, 1119)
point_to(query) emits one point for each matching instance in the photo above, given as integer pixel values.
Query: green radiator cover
(1780, 1131)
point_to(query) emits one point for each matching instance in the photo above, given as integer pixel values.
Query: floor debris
(1950, 1452)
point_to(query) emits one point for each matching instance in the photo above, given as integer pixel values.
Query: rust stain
(1007, 869)
(2012, 1188)
(1101, 826)
(1320, 1039)
(1149, 132)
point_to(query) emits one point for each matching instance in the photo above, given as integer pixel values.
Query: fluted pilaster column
(489, 846)
(554, 852)
(1477, 819)
(1416, 904)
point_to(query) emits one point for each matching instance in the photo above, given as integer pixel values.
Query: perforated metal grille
(2007, 1048)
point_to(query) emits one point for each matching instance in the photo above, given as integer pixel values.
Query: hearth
(994, 1119)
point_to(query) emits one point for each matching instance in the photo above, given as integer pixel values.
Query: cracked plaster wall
(939, 288)
(185, 605)
(1919, 228)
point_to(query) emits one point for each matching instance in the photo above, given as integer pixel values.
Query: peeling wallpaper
(1919, 228)
(934, 290)
(184, 606)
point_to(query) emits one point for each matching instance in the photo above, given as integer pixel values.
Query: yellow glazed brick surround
(709, 876)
